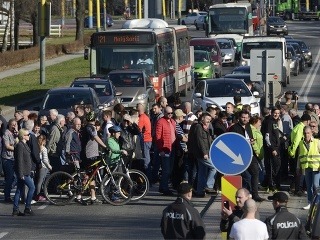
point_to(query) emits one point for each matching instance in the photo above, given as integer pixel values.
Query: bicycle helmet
(114, 129)
(91, 116)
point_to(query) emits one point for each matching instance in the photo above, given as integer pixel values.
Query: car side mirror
(289, 55)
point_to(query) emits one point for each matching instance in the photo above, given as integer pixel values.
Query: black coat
(202, 141)
(23, 161)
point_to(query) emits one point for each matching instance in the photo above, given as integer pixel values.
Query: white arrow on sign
(224, 148)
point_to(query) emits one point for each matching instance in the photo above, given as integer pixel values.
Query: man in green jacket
(296, 136)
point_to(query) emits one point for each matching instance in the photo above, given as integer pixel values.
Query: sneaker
(41, 199)
(96, 201)
(210, 190)
(29, 212)
(17, 213)
(33, 202)
(81, 201)
(306, 207)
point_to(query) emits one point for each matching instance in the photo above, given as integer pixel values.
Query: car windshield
(209, 48)
(224, 45)
(65, 100)
(101, 89)
(200, 56)
(127, 79)
(302, 45)
(296, 48)
(227, 89)
(275, 20)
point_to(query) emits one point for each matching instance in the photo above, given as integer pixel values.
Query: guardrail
(55, 30)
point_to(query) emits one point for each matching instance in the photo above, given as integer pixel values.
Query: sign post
(231, 154)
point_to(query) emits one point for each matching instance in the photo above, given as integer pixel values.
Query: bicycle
(140, 180)
(61, 188)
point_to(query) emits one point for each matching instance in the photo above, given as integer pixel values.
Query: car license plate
(125, 104)
(279, 30)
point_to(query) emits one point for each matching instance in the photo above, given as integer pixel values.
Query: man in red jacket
(145, 128)
(165, 138)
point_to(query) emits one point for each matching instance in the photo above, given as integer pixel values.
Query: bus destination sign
(110, 38)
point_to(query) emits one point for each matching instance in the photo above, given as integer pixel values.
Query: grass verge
(19, 88)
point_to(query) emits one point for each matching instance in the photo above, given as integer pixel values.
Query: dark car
(302, 61)
(67, 98)
(106, 91)
(305, 50)
(276, 25)
(109, 20)
(135, 86)
(241, 70)
(200, 22)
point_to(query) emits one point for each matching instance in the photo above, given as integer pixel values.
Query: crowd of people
(170, 144)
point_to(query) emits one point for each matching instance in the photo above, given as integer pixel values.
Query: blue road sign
(231, 153)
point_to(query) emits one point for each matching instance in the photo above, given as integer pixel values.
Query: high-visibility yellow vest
(309, 158)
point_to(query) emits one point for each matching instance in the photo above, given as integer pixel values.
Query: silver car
(228, 49)
(135, 87)
(217, 92)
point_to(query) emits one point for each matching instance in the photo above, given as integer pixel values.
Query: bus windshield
(109, 58)
(247, 46)
(228, 20)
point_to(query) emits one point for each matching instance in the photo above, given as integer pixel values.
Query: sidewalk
(9, 110)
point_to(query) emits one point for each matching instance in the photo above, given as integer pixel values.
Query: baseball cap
(184, 188)
(279, 196)
(179, 113)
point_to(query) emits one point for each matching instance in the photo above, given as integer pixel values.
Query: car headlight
(254, 104)
(230, 54)
(271, 26)
(206, 68)
(309, 53)
(211, 105)
(109, 104)
(244, 63)
(142, 96)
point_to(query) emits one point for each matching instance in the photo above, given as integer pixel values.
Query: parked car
(217, 92)
(109, 20)
(200, 22)
(299, 53)
(305, 50)
(276, 25)
(192, 17)
(135, 87)
(241, 70)
(106, 91)
(295, 59)
(210, 45)
(203, 66)
(228, 49)
(67, 98)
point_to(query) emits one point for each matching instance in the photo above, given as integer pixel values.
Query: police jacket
(285, 225)
(180, 220)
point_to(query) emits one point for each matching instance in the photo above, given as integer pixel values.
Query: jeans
(8, 176)
(55, 162)
(155, 164)
(166, 166)
(312, 181)
(146, 158)
(41, 175)
(20, 188)
(254, 172)
(206, 175)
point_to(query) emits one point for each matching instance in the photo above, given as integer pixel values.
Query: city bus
(166, 47)
(230, 20)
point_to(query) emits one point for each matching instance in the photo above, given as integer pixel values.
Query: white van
(267, 42)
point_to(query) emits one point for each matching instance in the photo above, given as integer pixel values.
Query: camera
(294, 95)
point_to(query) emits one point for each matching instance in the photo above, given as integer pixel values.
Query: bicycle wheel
(59, 188)
(140, 184)
(116, 189)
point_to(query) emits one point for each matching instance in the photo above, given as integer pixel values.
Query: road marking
(2, 234)
(43, 206)
(309, 79)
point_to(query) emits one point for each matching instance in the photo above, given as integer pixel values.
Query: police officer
(180, 220)
(283, 224)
